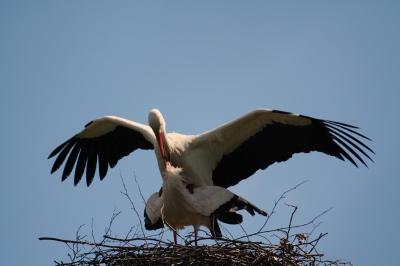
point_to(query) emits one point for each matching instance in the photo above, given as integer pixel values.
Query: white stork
(222, 157)
(180, 207)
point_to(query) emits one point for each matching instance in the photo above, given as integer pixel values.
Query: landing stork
(222, 157)
(180, 207)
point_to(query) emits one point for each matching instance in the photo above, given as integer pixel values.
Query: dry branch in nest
(290, 248)
(223, 252)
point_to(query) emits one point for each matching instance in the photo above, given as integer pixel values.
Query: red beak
(161, 144)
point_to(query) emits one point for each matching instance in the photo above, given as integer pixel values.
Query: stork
(222, 157)
(180, 207)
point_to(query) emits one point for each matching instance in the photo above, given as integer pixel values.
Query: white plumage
(223, 156)
(179, 207)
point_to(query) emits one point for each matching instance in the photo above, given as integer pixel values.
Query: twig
(276, 204)
(130, 200)
(291, 218)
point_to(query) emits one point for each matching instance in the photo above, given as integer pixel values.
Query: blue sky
(204, 63)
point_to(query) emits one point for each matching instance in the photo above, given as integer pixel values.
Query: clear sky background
(202, 63)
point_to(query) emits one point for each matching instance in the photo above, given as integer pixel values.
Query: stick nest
(221, 252)
(290, 246)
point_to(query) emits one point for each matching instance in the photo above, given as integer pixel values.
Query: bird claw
(190, 187)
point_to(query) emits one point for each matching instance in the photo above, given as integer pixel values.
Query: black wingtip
(60, 147)
(255, 208)
(241, 203)
(56, 150)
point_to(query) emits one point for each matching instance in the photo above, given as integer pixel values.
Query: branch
(276, 204)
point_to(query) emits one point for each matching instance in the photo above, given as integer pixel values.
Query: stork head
(156, 121)
(152, 213)
(157, 124)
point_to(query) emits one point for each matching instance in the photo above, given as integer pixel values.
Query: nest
(291, 249)
(286, 249)
(222, 252)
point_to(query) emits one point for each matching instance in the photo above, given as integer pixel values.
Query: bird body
(223, 156)
(180, 207)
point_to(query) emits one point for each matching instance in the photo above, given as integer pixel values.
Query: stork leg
(175, 239)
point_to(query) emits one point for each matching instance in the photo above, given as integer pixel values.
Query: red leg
(175, 240)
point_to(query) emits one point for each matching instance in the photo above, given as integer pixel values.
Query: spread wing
(236, 150)
(104, 141)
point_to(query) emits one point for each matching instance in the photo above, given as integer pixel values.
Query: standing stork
(222, 157)
(180, 207)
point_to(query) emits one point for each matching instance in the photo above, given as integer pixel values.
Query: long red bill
(161, 144)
